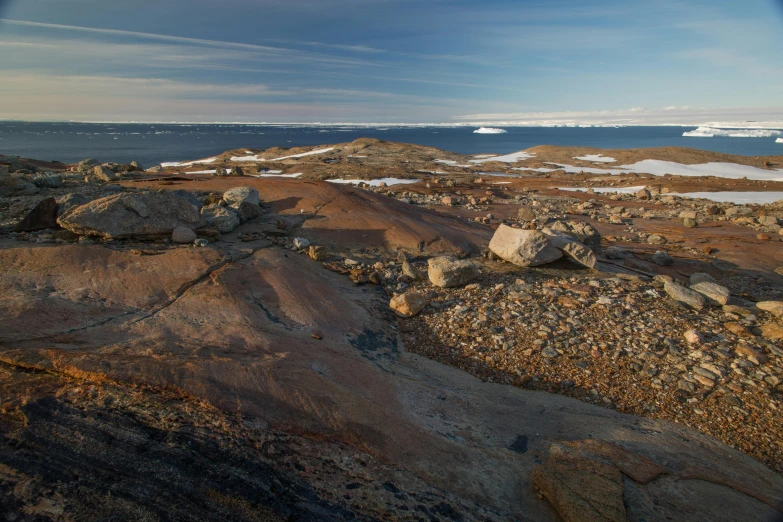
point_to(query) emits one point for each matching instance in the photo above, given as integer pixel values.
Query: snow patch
(740, 198)
(489, 130)
(375, 182)
(508, 158)
(603, 190)
(660, 168)
(189, 163)
(301, 155)
(277, 174)
(452, 163)
(596, 158)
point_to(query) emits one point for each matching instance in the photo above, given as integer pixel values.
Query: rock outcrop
(131, 215)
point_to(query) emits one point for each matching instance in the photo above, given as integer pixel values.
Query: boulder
(68, 201)
(716, 293)
(643, 194)
(189, 196)
(237, 195)
(247, 211)
(11, 186)
(773, 307)
(408, 304)
(768, 221)
(689, 223)
(317, 253)
(104, 174)
(526, 213)
(572, 248)
(223, 219)
(48, 180)
(582, 232)
(447, 272)
(43, 216)
(523, 247)
(183, 235)
(662, 259)
(772, 332)
(87, 165)
(701, 277)
(300, 243)
(685, 295)
(131, 215)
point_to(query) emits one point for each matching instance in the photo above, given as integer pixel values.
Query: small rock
(408, 304)
(685, 295)
(773, 307)
(523, 247)
(201, 242)
(713, 291)
(237, 195)
(317, 253)
(701, 277)
(772, 331)
(655, 239)
(526, 213)
(689, 223)
(221, 218)
(183, 235)
(693, 337)
(662, 259)
(446, 272)
(300, 243)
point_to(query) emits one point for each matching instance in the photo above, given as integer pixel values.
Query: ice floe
(711, 132)
(375, 182)
(489, 130)
(597, 158)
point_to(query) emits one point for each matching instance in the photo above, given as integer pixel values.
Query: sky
(395, 61)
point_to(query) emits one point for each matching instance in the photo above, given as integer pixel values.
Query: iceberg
(489, 130)
(711, 132)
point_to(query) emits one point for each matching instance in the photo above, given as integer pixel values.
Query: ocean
(152, 144)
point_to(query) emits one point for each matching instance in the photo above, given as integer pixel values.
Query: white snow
(489, 130)
(597, 158)
(502, 183)
(601, 190)
(276, 174)
(711, 132)
(480, 156)
(303, 154)
(660, 168)
(189, 163)
(452, 163)
(740, 198)
(508, 158)
(375, 182)
(201, 172)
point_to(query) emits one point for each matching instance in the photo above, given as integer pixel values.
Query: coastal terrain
(378, 330)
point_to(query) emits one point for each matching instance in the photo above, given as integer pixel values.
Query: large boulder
(10, 186)
(183, 235)
(447, 272)
(48, 180)
(70, 200)
(684, 295)
(43, 216)
(131, 215)
(571, 248)
(523, 247)
(582, 232)
(221, 218)
(235, 196)
(102, 173)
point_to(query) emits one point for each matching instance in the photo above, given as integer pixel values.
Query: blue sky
(391, 60)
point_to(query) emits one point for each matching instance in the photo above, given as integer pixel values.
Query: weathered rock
(685, 295)
(189, 196)
(71, 200)
(300, 243)
(643, 194)
(701, 277)
(43, 216)
(247, 211)
(183, 235)
(317, 253)
(580, 253)
(772, 331)
(693, 337)
(523, 247)
(716, 293)
(662, 259)
(10, 186)
(614, 252)
(131, 215)
(48, 180)
(408, 304)
(689, 223)
(582, 232)
(136, 166)
(411, 271)
(768, 221)
(526, 213)
(735, 212)
(447, 272)
(104, 174)
(580, 489)
(87, 165)
(655, 239)
(773, 307)
(223, 219)
(237, 195)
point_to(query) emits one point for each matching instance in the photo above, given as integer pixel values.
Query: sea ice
(779, 140)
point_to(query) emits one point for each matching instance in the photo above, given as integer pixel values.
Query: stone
(247, 211)
(183, 235)
(43, 216)
(48, 180)
(773, 307)
(189, 196)
(408, 304)
(772, 332)
(701, 277)
(655, 239)
(643, 194)
(688, 214)
(582, 232)
(220, 172)
(448, 200)
(201, 242)
(749, 353)
(693, 337)
(136, 166)
(131, 215)
(768, 221)
(237, 171)
(763, 237)
(11, 186)
(580, 489)
(223, 219)
(71, 200)
(526, 213)
(86, 165)
(689, 223)
(662, 259)
(737, 329)
(237, 195)
(523, 247)
(549, 353)
(715, 293)
(104, 174)
(317, 253)
(685, 295)
(572, 248)
(614, 252)
(735, 212)
(446, 272)
(411, 271)
(300, 243)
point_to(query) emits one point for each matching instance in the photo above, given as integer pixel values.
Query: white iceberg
(489, 130)
(711, 132)
(779, 140)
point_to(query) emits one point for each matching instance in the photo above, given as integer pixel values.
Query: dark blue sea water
(151, 144)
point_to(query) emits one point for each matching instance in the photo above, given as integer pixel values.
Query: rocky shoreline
(261, 296)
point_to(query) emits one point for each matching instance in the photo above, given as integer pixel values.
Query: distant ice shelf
(711, 132)
(489, 130)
